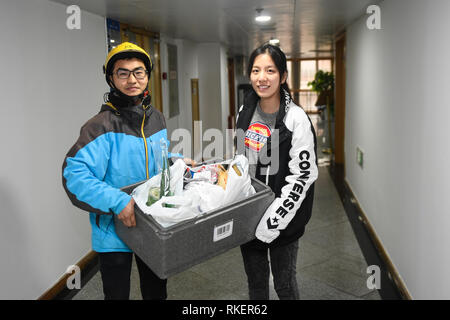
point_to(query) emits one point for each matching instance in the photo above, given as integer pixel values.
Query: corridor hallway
(330, 263)
(382, 203)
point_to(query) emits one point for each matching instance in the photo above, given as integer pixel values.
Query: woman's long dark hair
(278, 57)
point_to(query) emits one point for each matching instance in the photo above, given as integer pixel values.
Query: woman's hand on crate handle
(127, 215)
(189, 162)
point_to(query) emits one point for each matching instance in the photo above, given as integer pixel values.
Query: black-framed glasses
(139, 73)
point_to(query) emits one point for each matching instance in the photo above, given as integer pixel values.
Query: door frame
(339, 107)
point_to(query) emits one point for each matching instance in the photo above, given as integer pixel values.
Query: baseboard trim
(88, 265)
(393, 272)
(393, 286)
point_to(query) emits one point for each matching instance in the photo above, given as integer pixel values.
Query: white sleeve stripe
(240, 109)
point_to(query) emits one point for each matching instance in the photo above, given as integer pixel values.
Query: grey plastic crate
(168, 251)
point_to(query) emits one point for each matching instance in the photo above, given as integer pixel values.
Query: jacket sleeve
(303, 172)
(84, 169)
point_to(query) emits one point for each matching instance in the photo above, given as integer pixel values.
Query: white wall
(208, 63)
(171, 122)
(213, 92)
(209, 71)
(51, 84)
(397, 112)
(187, 70)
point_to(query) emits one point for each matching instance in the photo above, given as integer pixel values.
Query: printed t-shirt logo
(256, 136)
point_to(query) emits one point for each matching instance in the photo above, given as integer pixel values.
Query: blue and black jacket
(116, 148)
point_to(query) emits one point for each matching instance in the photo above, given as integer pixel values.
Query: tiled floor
(330, 264)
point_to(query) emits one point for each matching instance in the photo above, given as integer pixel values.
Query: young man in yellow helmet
(113, 151)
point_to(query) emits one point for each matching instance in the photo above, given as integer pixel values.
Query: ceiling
(305, 28)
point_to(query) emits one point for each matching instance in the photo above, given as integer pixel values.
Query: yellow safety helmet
(126, 50)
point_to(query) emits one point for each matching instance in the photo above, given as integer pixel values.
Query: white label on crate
(222, 231)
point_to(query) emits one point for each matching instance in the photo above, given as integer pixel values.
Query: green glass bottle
(165, 174)
(162, 163)
(165, 170)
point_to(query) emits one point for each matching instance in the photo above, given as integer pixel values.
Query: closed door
(196, 124)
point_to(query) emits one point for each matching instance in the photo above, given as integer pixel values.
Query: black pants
(115, 269)
(283, 261)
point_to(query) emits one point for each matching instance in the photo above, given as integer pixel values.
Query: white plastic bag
(205, 196)
(198, 197)
(238, 187)
(140, 194)
(169, 216)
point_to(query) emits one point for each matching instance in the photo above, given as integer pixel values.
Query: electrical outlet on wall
(359, 157)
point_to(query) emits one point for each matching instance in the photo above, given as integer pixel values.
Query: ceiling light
(261, 17)
(274, 42)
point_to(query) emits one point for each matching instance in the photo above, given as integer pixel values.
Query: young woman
(276, 127)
